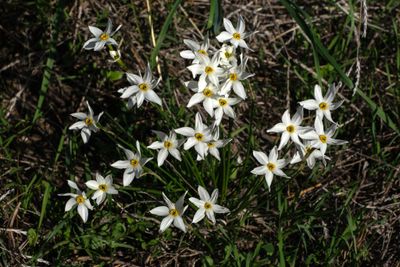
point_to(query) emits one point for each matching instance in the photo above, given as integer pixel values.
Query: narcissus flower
(321, 139)
(236, 75)
(79, 199)
(227, 56)
(168, 145)
(141, 88)
(205, 95)
(308, 153)
(290, 128)
(101, 38)
(270, 165)
(103, 186)
(323, 105)
(87, 124)
(133, 165)
(208, 69)
(223, 105)
(207, 205)
(197, 137)
(172, 212)
(195, 49)
(235, 36)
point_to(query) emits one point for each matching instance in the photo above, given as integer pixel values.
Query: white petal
(190, 143)
(165, 223)
(284, 139)
(85, 133)
(130, 91)
(203, 193)
(70, 204)
(277, 128)
(186, 131)
(220, 209)
(199, 215)
(268, 178)
(162, 155)
(197, 202)
(90, 44)
(178, 223)
(73, 185)
(261, 170)
(121, 164)
(133, 78)
(223, 36)
(160, 211)
(187, 54)
(286, 118)
(95, 31)
(99, 45)
(239, 89)
(318, 93)
(128, 177)
(168, 202)
(261, 157)
(140, 98)
(201, 149)
(79, 115)
(77, 125)
(92, 184)
(279, 172)
(83, 212)
(210, 215)
(153, 97)
(273, 155)
(214, 196)
(175, 153)
(228, 26)
(310, 104)
(195, 99)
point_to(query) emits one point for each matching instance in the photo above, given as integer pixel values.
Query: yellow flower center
(290, 128)
(271, 166)
(199, 136)
(202, 51)
(88, 121)
(167, 144)
(80, 199)
(103, 187)
(104, 37)
(236, 36)
(207, 205)
(207, 92)
(208, 70)
(222, 102)
(323, 138)
(134, 163)
(143, 87)
(233, 76)
(227, 54)
(174, 212)
(323, 105)
(211, 145)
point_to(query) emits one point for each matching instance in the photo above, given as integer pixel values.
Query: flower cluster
(314, 140)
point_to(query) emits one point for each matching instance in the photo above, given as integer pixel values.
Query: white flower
(115, 55)
(214, 144)
(103, 186)
(101, 38)
(236, 75)
(321, 139)
(207, 205)
(195, 49)
(172, 212)
(205, 95)
(80, 199)
(270, 165)
(197, 137)
(208, 70)
(87, 124)
(235, 36)
(222, 106)
(227, 56)
(133, 165)
(290, 128)
(141, 88)
(323, 105)
(169, 145)
(308, 153)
